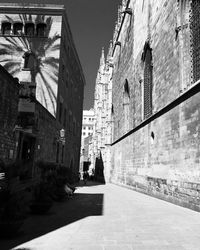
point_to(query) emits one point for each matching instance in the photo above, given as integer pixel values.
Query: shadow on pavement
(78, 207)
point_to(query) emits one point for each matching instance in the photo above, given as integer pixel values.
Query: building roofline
(34, 8)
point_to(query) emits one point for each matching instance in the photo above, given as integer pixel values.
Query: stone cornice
(35, 9)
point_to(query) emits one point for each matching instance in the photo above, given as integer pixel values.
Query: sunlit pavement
(109, 217)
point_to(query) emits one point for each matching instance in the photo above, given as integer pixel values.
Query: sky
(92, 23)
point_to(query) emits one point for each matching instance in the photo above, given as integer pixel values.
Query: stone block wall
(162, 158)
(160, 155)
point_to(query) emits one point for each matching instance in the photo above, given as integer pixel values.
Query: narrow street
(109, 217)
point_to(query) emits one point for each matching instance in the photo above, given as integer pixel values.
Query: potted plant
(41, 202)
(12, 209)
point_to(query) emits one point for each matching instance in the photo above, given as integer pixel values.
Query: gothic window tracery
(126, 105)
(148, 81)
(195, 38)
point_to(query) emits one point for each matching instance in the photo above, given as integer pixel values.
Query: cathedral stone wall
(159, 155)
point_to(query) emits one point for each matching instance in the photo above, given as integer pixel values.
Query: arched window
(148, 80)
(17, 28)
(29, 60)
(195, 45)
(41, 29)
(29, 29)
(6, 28)
(126, 105)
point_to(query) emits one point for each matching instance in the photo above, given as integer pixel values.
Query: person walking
(85, 177)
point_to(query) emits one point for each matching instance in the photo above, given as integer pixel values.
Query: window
(29, 59)
(84, 128)
(57, 153)
(67, 79)
(29, 29)
(195, 32)
(126, 105)
(60, 112)
(83, 133)
(17, 28)
(6, 28)
(41, 29)
(65, 114)
(62, 156)
(74, 128)
(148, 80)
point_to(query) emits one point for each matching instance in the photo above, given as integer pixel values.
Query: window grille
(195, 38)
(148, 81)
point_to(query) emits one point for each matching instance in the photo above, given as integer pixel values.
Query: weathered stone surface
(160, 157)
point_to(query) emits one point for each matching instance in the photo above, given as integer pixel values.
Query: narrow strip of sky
(92, 23)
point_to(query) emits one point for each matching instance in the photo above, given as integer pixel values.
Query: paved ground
(108, 217)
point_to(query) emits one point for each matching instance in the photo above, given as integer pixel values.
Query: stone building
(155, 100)
(102, 136)
(33, 38)
(87, 132)
(9, 98)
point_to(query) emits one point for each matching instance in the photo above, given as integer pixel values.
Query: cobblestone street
(109, 217)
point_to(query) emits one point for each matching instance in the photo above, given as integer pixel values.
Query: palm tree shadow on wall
(62, 214)
(99, 169)
(46, 64)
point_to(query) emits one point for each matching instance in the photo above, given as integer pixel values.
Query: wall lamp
(117, 43)
(128, 11)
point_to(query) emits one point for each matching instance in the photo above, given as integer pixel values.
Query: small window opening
(6, 28)
(112, 109)
(17, 28)
(29, 59)
(152, 135)
(29, 29)
(41, 29)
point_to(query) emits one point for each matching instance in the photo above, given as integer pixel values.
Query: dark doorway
(26, 155)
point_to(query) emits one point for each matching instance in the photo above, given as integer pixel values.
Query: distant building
(87, 132)
(102, 136)
(37, 47)
(87, 124)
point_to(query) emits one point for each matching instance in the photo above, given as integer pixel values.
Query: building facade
(102, 136)
(9, 98)
(155, 108)
(32, 40)
(87, 132)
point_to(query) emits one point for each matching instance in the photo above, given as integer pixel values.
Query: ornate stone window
(29, 29)
(195, 38)
(6, 28)
(148, 80)
(17, 28)
(41, 29)
(126, 105)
